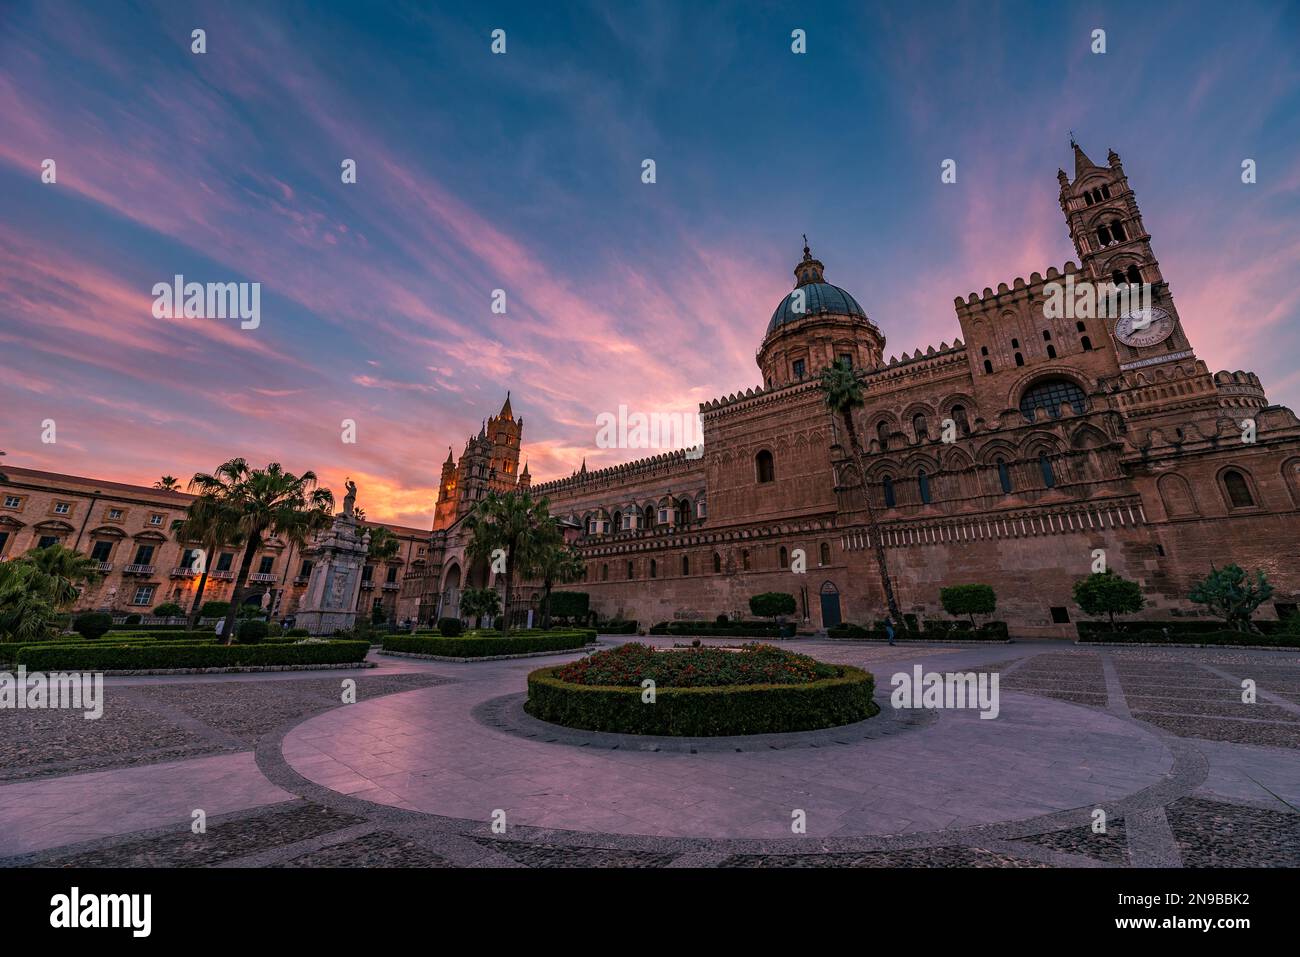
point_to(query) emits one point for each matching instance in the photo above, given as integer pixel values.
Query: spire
(482, 430)
(450, 460)
(506, 412)
(525, 471)
(808, 270)
(1081, 161)
(583, 470)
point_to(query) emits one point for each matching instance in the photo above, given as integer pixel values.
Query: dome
(819, 297)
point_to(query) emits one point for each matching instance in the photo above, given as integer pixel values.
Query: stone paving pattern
(410, 775)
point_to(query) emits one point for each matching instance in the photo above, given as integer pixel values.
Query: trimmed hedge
(617, 628)
(482, 646)
(704, 712)
(936, 630)
(142, 657)
(1176, 627)
(1152, 636)
(728, 629)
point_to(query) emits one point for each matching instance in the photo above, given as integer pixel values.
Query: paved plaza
(414, 773)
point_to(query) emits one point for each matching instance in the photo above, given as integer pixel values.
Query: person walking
(889, 630)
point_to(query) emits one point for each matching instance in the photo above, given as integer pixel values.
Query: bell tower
(1114, 247)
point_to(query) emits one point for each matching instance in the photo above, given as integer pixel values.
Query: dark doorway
(830, 605)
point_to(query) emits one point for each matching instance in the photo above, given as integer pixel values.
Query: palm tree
(211, 522)
(555, 562)
(514, 524)
(3, 477)
(843, 395)
(477, 603)
(64, 571)
(26, 612)
(169, 482)
(264, 503)
(384, 544)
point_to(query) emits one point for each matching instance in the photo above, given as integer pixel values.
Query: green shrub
(92, 624)
(632, 663)
(772, 604)
(169, 609)
(158, 655)
(133, 619)
(969, 600)
(1105, 593)
(251, 631)
(707, 711)
(480, 646)
(1232, 594)
(450, 627)
(297, 633)
(274, 629)
(214, 609)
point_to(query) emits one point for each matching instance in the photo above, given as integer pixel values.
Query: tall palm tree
(169, 482)
(384, 544)
(212, 523)
(843, 394)
(64, 572)
(514, 523)
(264, 503)
(26, 612)
(555, 562)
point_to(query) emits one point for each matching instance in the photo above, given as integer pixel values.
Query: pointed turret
(506, 412)
(1081, 162)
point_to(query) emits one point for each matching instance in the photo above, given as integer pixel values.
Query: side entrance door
(830, 605)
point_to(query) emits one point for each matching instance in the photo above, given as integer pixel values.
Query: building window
(717, 564)
(101, 550)
(744, 559)
(988, 366)
(1060, 615)
(629, 571)
(143, 595)
(391, 577)
(846, 360)
(1004, 476)
(798, 368)
(267, 562)
(958, 414)
(918, 426)
(654, 568)
(1047, 336)
(604, 573)
(4, 537)
(882, 433)
(923, 483)
(62, 508)
(1051, 352)
(1015, 343)
(155, 519)
(226, 559)
(1045, 466)
(143, 555)
(46, 541)
(784, 557)
(1051, 395)
(1086, 343)
(1020, 360)
(766, 466)
(1239, 495)
(12, 501)
(114, 514)
(367, 573)
(888, 483)
(686, 565)
(649, 516)
(825, 554)
(303, 572)
(1134, 275)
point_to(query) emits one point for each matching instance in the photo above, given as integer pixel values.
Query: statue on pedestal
(350, 500)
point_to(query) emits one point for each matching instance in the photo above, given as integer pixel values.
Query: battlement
(667, 461)
(988, 300)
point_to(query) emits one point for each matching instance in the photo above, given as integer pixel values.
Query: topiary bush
(92, 624)
(251, 631)
(158, 655)
(483, 646)
(133, 619)
(297, 633)
(169, 609)
(450, 627)
(214, 609)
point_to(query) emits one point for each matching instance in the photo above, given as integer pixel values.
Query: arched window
(918, 427)
(785, 557)
(685, 514)
(686, 565)
(825, 553)
(1045, 466)
(1117, 230)
(1103, 235)
(1239, 495)
(1086, 343)
(618, 522)
(959, 419)
(604, 573)
(648, 519)
(765, 466)
(1080, 326)
(1020, 360)
(1134, 274)
(923, 483)
(744, 559)
(630, 571)
(984, 350)
(988, 366)
(888, 484)
(1117, 277)
(1004, 476)
(1015, 343)
(654, 568)
(1051, 395)
(1047, 336)
(1051, 351)
(717, 563)
(882, 433)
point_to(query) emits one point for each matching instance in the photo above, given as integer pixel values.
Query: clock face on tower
(1144, 327)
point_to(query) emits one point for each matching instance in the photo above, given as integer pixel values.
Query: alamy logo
(651, 430)
(213, 300)
(103, 910)
(951, 690)
(75, 691)
(1090, 300)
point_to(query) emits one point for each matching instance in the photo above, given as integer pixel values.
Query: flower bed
(487, 646)
(701, 692)
(724, 629)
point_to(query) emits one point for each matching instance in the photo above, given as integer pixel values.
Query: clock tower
(1114, 247)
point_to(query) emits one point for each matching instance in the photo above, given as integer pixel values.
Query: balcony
(262, 577)
(139, 569)
(104, 567)
(226, 576)
(184, 572)
(302, 579)
(367, 585)
(392, 586)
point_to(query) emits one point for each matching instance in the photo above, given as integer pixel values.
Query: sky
(522, 172)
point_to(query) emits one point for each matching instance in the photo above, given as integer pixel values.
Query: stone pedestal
(330, 604)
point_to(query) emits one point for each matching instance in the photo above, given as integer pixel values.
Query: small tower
(525, 480)
(444, 512)
(505, 436)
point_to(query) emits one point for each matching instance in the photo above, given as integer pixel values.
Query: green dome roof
(819, 297)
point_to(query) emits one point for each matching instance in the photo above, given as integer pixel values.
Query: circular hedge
(688, 701)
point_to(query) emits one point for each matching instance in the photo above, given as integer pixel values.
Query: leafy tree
(212, 522)
(384, 543)
(168, 482)
(969, 600)
(1233, 594)
(478, 603)
(843, 394)
(516, 525)
(772, 604)
(251, 632)
(571, 604)
(62, 572)
(214, 609)
(553, 561)
(92, 624)
(26, 611)
(1105, 593)
(268, 502)
(168, 609)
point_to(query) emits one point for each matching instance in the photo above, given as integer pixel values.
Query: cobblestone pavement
(1159, 741)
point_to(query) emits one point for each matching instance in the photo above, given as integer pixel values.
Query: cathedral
(1019, 455)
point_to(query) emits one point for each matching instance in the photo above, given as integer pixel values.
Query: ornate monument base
(331, 600)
